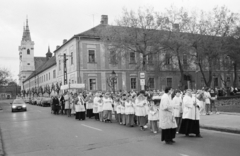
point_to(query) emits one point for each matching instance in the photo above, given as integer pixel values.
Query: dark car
(18, 105)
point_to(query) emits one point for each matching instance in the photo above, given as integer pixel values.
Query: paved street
(38, 132)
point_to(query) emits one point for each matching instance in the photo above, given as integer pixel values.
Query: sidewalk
(225, 122)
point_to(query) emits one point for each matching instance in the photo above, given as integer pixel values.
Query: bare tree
(5, 76)
(135, 36)
(207, 40)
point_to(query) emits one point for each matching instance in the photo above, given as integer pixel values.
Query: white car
(18, 105)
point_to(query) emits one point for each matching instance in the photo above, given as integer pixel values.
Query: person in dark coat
(55, 105)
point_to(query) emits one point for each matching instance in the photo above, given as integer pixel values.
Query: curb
(221, 129)
(2, 153)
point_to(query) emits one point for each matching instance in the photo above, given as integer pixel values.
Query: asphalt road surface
(37, 132)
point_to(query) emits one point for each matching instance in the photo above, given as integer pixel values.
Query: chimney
(175, 27)
(104, 19)
(57, 47)
(64, 41)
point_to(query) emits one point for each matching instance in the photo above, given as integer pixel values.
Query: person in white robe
(100, 108)
(82, 109)
(89, 105)
(177, 105)
(107, 108)
(167, 121)
(191, 114)
(140, 110)
(153, 116)
(95, 106)
(67, 104)
(129, 111)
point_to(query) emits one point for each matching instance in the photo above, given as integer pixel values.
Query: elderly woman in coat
(167, 120)
(191, 113)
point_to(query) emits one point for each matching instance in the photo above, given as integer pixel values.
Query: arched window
(28, 52)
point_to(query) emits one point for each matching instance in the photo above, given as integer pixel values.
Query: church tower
(26, 56)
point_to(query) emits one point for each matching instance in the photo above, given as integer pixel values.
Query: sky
(51, 21)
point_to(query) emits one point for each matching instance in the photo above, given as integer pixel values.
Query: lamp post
(214, 75)
(113, 80)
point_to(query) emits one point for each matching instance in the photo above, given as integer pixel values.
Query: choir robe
(129, 113)
(167, 121)
(141, 111)
(191, 116)
(95, 104)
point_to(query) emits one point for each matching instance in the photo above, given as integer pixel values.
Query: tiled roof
(38, 61)
(47, 64)
(94, 32)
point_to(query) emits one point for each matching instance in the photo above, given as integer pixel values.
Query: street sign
(142, 75)
(142, 82)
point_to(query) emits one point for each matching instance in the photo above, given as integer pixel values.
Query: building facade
(89, 62)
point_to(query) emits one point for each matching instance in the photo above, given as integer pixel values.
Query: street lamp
(214, 75)
(113, 78)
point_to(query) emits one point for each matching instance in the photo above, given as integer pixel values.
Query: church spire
(48, 54)
(26, 33)
(23, 32)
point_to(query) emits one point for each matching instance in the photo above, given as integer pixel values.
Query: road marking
(183, 154)
(91, 127)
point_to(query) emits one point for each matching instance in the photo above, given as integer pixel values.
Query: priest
(167, 120)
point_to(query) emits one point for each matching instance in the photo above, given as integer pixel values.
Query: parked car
(34, 100)
(27, 99)
(38, 101)
(18, 105)
(46, 101)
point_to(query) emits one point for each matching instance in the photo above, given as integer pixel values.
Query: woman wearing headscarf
(167, 121)
(140, 109)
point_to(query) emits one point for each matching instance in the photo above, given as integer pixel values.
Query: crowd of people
(172, 111)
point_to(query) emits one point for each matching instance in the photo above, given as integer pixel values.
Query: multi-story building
(89, 62)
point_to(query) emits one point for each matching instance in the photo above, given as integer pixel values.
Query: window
(113, 57)
(92, 84)
(133, 84)
(28, 52)
(91, 56)
(71, 57)
(49, 76)
(59, 67)
(167, 59)
(185, 61)
(151, 82)
(150, 59)
(132, 57)
(169, 82)
(46, 77)
(28, 64)
(54, 74)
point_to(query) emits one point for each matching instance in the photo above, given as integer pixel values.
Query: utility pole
(64, 67)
